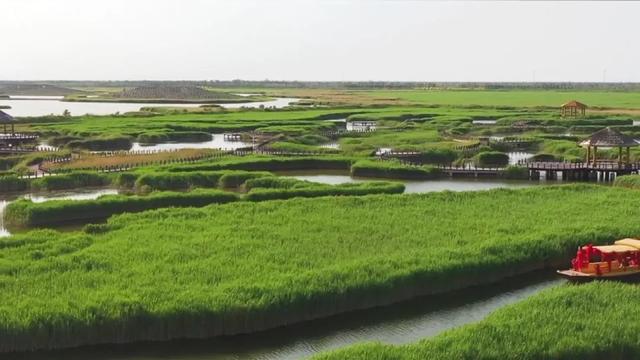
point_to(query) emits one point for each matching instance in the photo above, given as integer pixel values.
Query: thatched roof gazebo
(608, 138)
(573, 108)
(6, 119)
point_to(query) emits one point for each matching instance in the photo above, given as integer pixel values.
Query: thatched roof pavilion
(608, 138)
(6, 118)
(573, 108)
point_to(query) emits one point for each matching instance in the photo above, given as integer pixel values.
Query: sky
(321, 40)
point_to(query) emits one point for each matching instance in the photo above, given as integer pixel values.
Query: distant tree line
(343, 84)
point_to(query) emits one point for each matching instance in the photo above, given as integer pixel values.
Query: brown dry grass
(90, 161)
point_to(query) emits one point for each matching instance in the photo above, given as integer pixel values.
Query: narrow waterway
(402, 323)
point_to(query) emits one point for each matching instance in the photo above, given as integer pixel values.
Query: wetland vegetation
(206, 241)
(127, 280)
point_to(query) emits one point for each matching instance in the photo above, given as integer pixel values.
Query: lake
(46, 105)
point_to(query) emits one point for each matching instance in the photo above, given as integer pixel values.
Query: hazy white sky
(319, 40)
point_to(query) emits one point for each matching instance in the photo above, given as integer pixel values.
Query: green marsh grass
(25, 213)
(243, 267)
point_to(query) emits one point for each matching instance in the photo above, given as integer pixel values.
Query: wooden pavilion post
(588, 154)
(595, 151)
(619, 155)
(628, 155)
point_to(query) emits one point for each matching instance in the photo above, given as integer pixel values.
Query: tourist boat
(619, 261)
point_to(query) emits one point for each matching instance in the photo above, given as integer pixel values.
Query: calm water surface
(413, 186)
(217, 142)
(46, 105)
(401, 323)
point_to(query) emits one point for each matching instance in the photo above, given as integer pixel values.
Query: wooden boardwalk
(600, 171)
(470, 171)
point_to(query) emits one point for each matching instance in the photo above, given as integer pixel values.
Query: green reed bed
(243, 267)
(166, 136)
(595, 321)
(11, 183)
(265, 163)
(187, 180)
(101, 144)
(73, 180)
(627, 181)
(309, 190)
(393, 170)
(25, 213)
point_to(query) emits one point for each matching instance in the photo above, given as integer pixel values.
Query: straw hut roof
(608, 137)
(575, 104)
(6, 118)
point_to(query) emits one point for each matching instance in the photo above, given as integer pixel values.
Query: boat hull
(576, 276)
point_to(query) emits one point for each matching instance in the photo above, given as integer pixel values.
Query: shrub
(543, 158)
(491, 159)
(439, 156)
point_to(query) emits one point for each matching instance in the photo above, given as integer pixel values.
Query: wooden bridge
(10, 150)
(16, 139)
(470, 171)
(601, 170)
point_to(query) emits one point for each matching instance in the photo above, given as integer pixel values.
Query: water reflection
(45, 105)
(217, 141)
(483, 122)
(412, 186)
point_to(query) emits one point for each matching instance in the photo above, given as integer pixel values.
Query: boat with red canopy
(618, 261)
